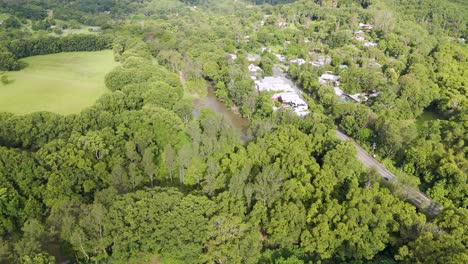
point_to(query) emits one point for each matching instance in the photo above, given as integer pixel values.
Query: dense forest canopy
(138, 178)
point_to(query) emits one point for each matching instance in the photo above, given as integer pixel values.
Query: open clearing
(63, 83)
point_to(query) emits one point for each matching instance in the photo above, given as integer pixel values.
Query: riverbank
(210, 101)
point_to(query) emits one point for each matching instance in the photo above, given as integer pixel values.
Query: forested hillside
(144, 176)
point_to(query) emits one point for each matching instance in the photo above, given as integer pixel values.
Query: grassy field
(63, 83)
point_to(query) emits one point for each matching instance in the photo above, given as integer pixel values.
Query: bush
(8, 62)
(4, 79)
(58, 31)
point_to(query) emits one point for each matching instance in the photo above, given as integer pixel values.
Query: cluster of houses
(332, 80)
(284, 93)
(319, 62)
(358, 97)
(254, 71)
(359, 35)
(283, 90)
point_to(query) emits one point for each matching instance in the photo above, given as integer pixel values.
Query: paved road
(416, 197)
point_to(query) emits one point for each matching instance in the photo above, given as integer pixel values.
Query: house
(297, 61)
(329, 78)
(265, 17)
(294, 101)
(321, 61)
(253, 69)
(358, 97)
(280, 57)
(50, 13)
(359, 38)
(370, 44)
(366, 27)
(343, 66)
(275, 84)
(358, 32)
(338, 91)
(266, 49)
(232, 56)
(1, 22)
(253, 57)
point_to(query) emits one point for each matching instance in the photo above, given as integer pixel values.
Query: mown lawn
(63, 83)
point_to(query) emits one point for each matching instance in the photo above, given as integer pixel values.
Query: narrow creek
(210, 101)
(236, 121)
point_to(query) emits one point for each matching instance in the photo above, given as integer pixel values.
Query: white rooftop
(291, 98)
(321, 61)
(232, 55)
(370, 44)
(297, 61)
(253, 57)
(275, 84)
(338, 91)
(366, 26)
(329, 77)
(280, 57)
(359, 38)
(254, 68)
(358, 97)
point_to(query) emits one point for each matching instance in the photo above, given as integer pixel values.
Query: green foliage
(178, 225)
(48, 45)
(137, 178)
(451, 77)
(4, 79)
(12, 22)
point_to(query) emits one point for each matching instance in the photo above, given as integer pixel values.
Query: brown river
(210, 101)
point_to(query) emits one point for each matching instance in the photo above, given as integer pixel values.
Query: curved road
(416, 197)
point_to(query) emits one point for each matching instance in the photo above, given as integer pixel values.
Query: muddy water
(212, 102)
